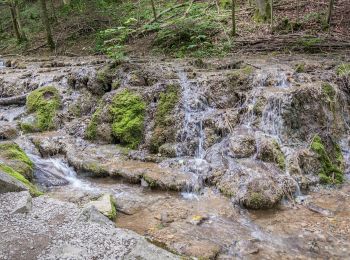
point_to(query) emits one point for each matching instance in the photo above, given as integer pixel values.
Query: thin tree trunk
(19, 24)
(46, 23)
(271, 15)
(298, 10)
(52, 6)
(154, 10)
(330, 9)
(15, 23)
(233, 33)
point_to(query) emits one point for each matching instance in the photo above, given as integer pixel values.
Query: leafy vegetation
(176, 28)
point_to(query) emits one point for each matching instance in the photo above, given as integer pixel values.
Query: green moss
(279, 156)
(256, 201)
(300, 68)
(10, 171)
(152, 183)
(128, 112)
(91, 131)
(19, 160)
(105, 78)
(113, 214)
(44, 102)
(96, 168)
(163, 118)
(343, 70)
(329, 91)
(329, 173)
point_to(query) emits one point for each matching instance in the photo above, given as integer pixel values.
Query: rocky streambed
(215, 159)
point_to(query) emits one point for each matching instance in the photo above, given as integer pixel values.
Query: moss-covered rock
(330, 172)
(10, 171)
(163, 132)
(270, 151)
(128, 113)
(13, 156)
(120, 121)
(44, 102)
(106, 205)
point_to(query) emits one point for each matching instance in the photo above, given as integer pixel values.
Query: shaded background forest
(176, 28)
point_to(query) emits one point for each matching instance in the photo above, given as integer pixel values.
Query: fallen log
(15, 100)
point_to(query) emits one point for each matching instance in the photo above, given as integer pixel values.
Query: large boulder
(106, 205)
(10, 184)
(8, 130)
(13, 156)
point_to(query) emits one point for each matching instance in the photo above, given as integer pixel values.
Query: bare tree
(154, 10)
(233, 33)
(46, 22)
(16, 22)
(330, 10)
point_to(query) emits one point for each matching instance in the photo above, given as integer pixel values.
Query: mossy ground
(44, 102)
(21, 163)
(163, 118)
(330, 173)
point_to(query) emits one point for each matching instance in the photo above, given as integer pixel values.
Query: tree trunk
(271, 15)
(330, 9)
(14, 23)
(154, 10)
(233, 18)
(46, 23)
(23, 36)
(263, 10)
(52, 6)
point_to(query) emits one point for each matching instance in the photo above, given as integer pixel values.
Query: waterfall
(56, 172)
(195, 108)
(345, 148)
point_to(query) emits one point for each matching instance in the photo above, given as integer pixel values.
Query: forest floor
(182, 30)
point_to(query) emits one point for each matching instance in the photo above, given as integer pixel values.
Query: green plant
(343, 69)
(187, 35)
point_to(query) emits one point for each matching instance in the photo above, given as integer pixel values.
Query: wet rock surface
(227, 138)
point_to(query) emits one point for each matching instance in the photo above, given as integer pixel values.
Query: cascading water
(195, 108)
(55, 172)
(345, 148)
(2, 64)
